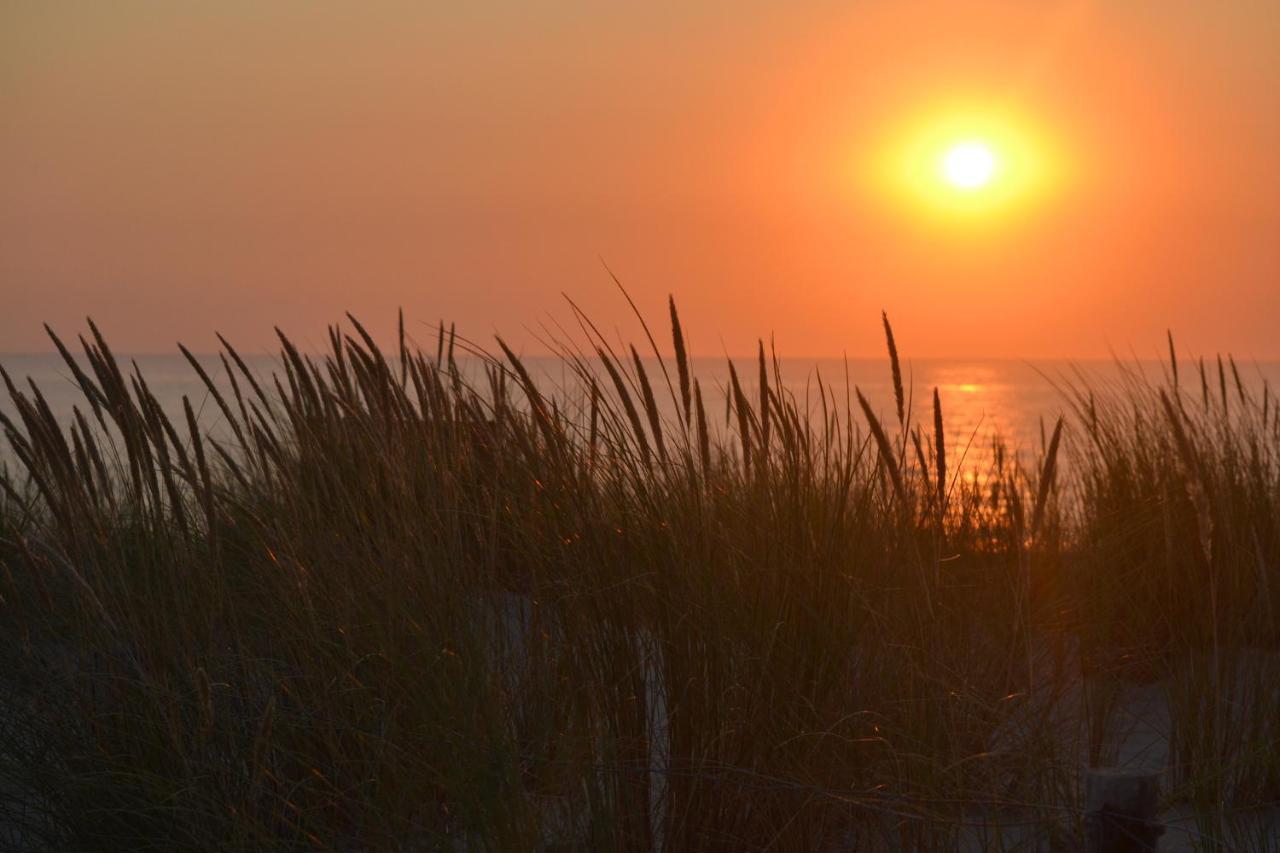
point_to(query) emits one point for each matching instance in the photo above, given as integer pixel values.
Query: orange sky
(175, 168)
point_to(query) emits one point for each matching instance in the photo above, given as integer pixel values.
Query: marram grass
(401, 603)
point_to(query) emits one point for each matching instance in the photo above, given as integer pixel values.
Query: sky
(172, 169)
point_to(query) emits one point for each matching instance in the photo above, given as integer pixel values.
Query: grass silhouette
(404, 603)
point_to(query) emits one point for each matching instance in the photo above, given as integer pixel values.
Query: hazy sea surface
(1016, 400)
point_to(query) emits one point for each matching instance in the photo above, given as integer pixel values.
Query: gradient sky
(175, 168)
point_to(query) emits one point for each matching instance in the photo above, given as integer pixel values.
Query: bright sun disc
(965, 165)
(969, 165)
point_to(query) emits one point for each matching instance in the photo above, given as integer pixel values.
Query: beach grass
(420, 600)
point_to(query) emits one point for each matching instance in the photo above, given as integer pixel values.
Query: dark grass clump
(1179, 544)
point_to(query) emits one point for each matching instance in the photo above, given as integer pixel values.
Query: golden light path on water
(979, 404)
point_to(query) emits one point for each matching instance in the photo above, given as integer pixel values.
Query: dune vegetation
(401, 603)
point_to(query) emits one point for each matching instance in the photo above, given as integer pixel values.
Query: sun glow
(965, 164)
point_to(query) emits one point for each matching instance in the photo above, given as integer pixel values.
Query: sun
(969, 165)
(966, 164)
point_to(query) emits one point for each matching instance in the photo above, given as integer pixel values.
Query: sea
(1015, 401)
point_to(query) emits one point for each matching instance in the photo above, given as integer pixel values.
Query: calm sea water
(1013, 399)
